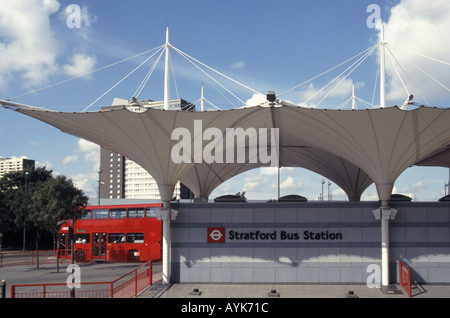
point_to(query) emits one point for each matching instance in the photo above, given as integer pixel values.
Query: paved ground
(95, 272)
(48, 274)
(289, 291)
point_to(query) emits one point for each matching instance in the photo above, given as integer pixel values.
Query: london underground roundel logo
(216, 235)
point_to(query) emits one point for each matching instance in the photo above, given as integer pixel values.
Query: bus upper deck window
(151, 212)
(136, 212)
(100, 213)
(86, 216)
(117, 213)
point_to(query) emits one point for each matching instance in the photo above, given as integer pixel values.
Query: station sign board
(222, 235)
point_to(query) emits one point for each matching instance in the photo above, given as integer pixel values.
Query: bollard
(3, 288)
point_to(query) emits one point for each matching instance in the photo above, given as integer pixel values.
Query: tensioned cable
(376, 83)
(426, 101)
(345, 77)
(125, 77)
(428, 57)
(331, 69)
(85, 74)
(422, 70)
(360, 60)
(191, 64)
(148, 75)
(396, 70)
(357, 62)
(363, 101)
(173, 76)
(196, 68)
(357, 98)
(185, 56)
(221, 74)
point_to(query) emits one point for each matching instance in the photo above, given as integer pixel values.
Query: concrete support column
(384, 214)
(166, 215)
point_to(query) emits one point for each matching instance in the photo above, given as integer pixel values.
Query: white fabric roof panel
(440, 158)
(202, 179)
(351, 148)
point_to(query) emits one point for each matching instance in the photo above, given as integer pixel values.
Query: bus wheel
(133, 256)
(80, 257)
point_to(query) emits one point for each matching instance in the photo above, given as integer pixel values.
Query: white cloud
(338, 195)
(411, 190)
(80, 64)
(69, 159)
(238, 65)
(87, 182)
(28, 44)
(256, 100)
(418, 26)
(91, 152)
(87, 146)
(21, 157)
(87, 18)
(32, 143)
(30, 50)
(47, 164)
(290, 185)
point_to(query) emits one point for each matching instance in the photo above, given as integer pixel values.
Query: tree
(37, 198)
(16, 189)
(55, 200)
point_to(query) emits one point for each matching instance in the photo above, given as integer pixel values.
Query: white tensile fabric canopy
(352, 148)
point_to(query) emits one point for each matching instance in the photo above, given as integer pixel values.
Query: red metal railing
(404, 277)
(126, 286)
(17, 258)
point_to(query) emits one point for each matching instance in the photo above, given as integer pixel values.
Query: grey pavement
(98, 272)
(221, 290)
(48, 274)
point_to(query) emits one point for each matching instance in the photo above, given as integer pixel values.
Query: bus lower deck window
(135, 238)
(82, 238)
(116, 238)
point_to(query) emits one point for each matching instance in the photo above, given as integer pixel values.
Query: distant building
(142, 105)
(122, 178)
(15, 164)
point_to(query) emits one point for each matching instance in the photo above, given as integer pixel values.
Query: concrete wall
(420, 236)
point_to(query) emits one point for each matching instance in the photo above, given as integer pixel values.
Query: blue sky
(266, 45)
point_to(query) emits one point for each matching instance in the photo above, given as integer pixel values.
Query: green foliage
(57, 199)
(36, 198)
(16, 189)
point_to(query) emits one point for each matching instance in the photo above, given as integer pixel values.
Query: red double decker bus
(120, 233)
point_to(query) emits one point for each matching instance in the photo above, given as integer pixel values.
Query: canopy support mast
(202, 101)
(167, 73)
(165, 190)
(384, 213)
(353, 97)
(382, 69)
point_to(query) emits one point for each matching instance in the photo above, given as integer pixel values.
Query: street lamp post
(321, 198)
(99, 182)
(24, 222)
